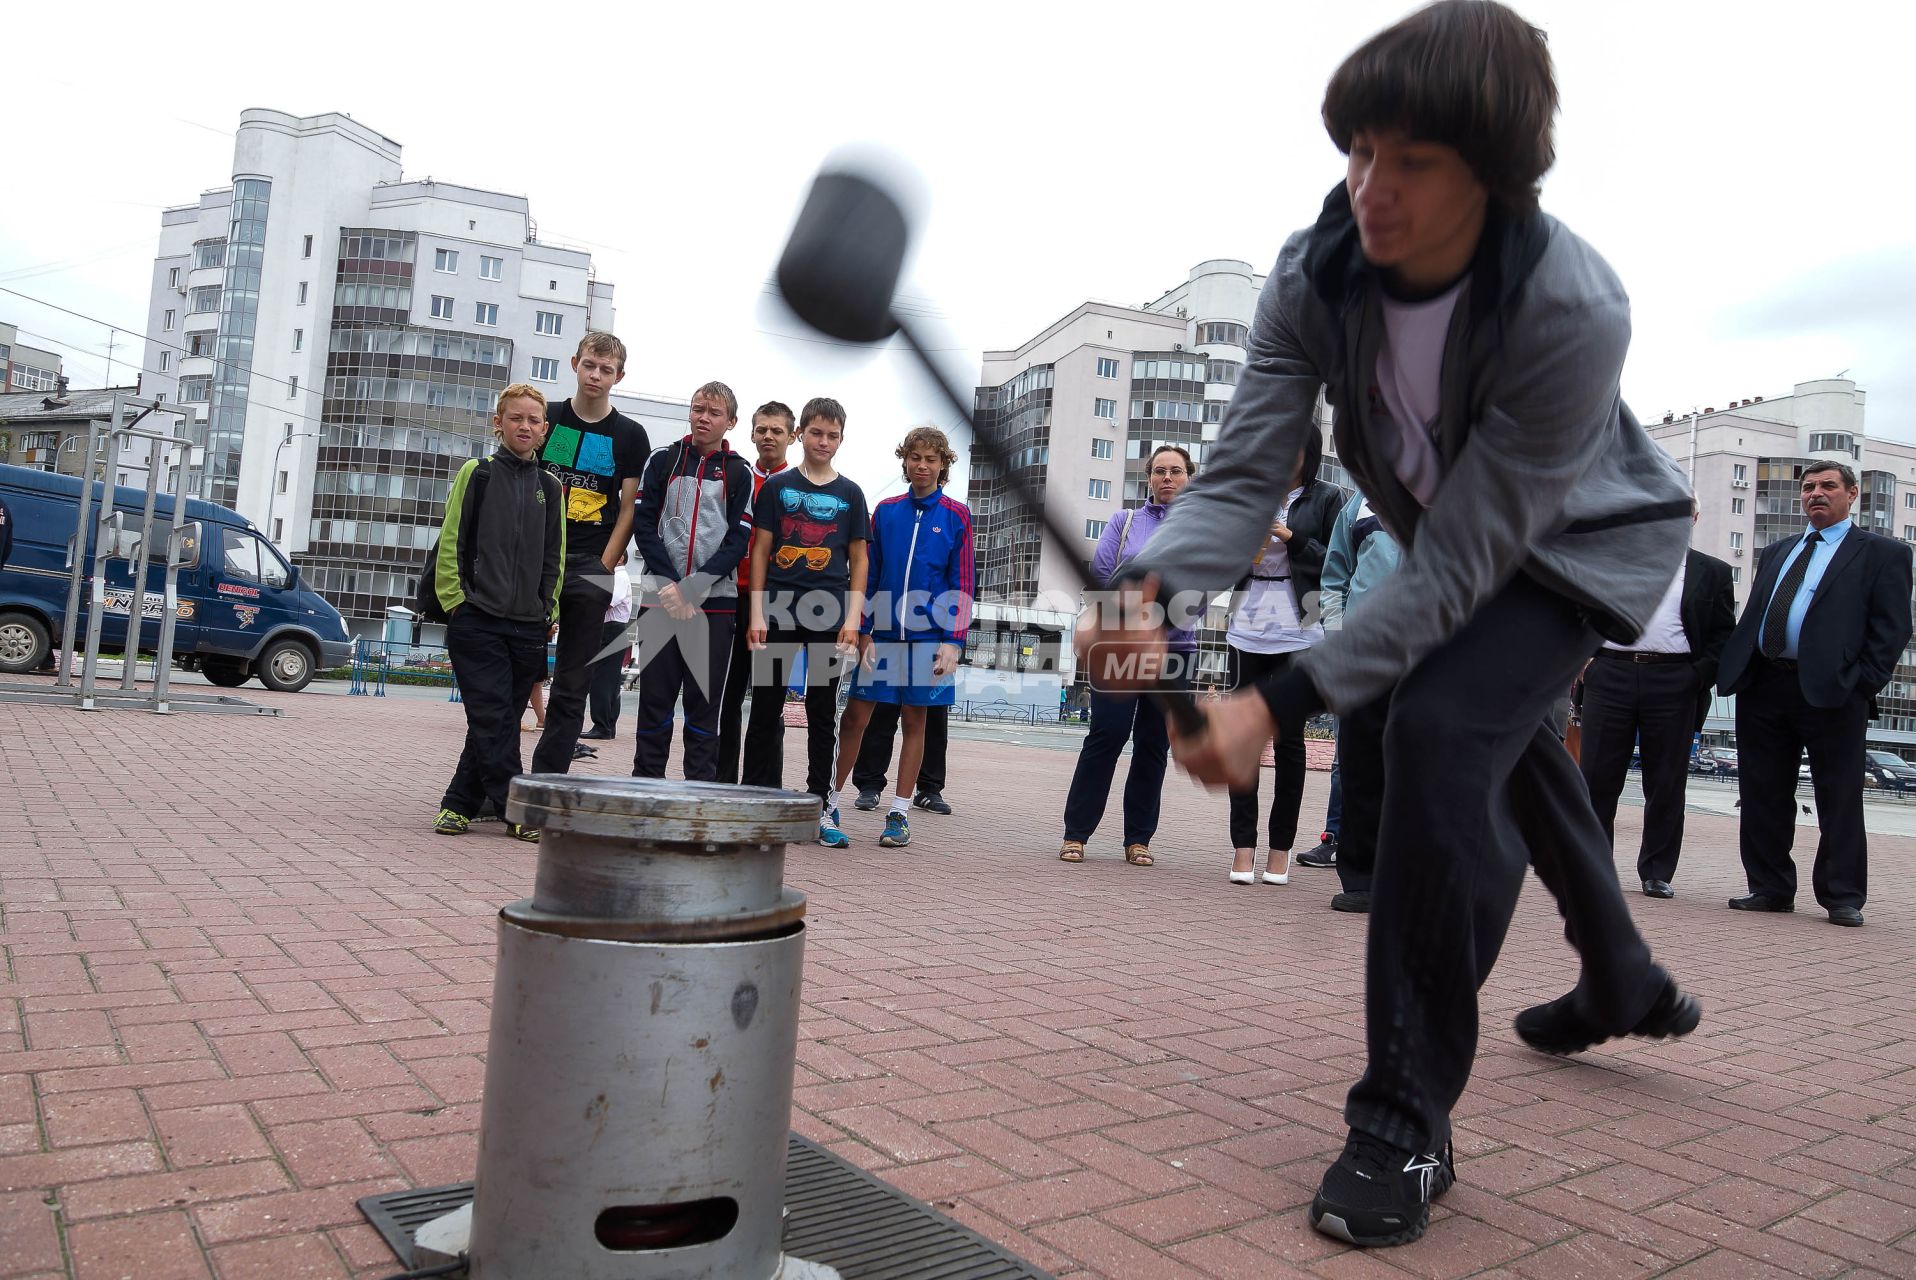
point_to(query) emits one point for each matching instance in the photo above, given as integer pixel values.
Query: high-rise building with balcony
(1081, 406)
(341, 334)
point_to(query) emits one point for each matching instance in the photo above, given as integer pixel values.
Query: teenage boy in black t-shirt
(810, 528)
(598, 454)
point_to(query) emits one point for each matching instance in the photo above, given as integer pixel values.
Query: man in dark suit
(1657, 692)
(1827, 618)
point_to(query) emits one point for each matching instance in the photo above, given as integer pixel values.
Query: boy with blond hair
(497, 574)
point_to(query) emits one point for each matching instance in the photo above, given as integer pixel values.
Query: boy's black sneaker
(1324, 855)
(1378, 1195)
(933, 801)
(867, 800)
(1557, 1027)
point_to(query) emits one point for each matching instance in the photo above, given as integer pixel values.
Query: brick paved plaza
(245, 986)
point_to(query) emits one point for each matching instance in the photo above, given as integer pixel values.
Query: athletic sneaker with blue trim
(828, 833)
(897, 831)
(1378, 1195)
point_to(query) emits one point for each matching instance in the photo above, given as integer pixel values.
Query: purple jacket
(1134, 528)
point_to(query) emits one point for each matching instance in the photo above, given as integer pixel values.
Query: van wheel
(227, 673)
(286, 666)
(24, 643)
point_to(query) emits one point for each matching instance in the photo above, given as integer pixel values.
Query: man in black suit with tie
(1657, 691)
(1827, 618)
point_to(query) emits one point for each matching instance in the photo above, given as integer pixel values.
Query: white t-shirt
(1664, 632)
(1410, 366)
(1267, 619)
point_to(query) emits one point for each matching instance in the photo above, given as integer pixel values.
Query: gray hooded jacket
(1546, 472)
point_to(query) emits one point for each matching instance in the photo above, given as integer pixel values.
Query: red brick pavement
(245, 986)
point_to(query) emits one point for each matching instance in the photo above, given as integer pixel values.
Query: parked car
(1718, 762)
(242, 610)
(1889, 771)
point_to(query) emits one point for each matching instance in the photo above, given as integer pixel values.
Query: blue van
(242, 610)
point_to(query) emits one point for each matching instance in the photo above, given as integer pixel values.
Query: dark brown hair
(1190, 467)
(1470, 74)
(822, 407)
(1842, 469)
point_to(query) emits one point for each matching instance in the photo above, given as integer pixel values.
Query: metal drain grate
(836, 1213)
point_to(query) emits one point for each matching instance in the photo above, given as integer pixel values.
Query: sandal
(1138, 855)
(1073, 851)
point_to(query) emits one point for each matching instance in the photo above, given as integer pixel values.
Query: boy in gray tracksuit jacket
(693, 526)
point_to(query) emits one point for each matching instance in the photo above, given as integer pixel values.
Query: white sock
(831, 801)
(900, 805)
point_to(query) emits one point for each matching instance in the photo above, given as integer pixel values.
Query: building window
(28, 378)
(173, 278)
(1909, 533)
(544, 369)
(1100, 489)
(1222, 332)
(1105, 409)
(1739, 472)
(210, 254)
(547, 322)
(195, 390)
(1094, 529)
(307, 252)
(1222, 371)
(1107, 367)
(204, 298)
(486, 313)
(282, 482)
(1736, 542)
(1736, 506)
(166, 361)
(441, 307)
(302, 293)
(122, 479)
(552, 286)
(1214, 410)
(491, 268)
(166, 323)
(299, 339)
(1736, 574)
(446, 260)
(292, 388)
(279, 525)
(1100, 448)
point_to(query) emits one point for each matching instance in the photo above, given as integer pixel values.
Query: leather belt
(1270, 577)
(1781, 664)
(1633, 655)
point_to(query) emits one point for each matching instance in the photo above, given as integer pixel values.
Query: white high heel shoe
(1244, 877)
(1279, 877)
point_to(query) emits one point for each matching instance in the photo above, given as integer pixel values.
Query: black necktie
(1776, 619)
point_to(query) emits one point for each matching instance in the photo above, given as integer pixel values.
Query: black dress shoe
(597, 735)
(1851, 916)
(1559, 1028)
(1759, 902)
(1357, 902)
(1658, 889)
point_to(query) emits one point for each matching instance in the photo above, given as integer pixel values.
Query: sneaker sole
(886, 842)
(450, 831)
(1334, 1225)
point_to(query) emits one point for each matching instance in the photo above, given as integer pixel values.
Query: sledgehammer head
(840, 268)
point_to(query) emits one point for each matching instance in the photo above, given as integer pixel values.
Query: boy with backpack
(496, 576)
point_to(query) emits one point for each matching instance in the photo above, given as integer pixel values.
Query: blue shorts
(901, 674)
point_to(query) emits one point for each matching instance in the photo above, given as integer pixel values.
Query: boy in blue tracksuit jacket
(918, 612)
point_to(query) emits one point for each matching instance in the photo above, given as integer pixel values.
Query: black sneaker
(1559, 1028)
(1378, 1195)
(1324, 855)
(867, 800)
(932, 800)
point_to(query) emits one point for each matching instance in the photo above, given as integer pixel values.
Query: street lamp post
(272, 492)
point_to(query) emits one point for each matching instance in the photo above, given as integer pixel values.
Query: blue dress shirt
(1820, 557)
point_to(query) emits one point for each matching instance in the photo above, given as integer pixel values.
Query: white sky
(1735, 162)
